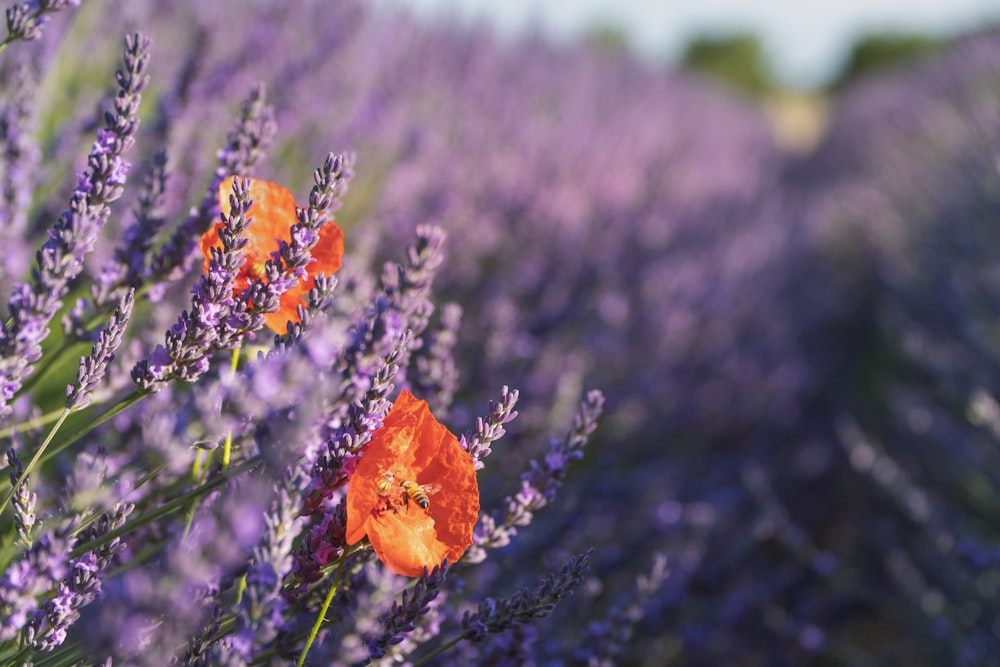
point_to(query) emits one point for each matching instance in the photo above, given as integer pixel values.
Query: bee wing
(430, 488)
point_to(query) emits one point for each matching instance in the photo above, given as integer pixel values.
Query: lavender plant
(197, 516)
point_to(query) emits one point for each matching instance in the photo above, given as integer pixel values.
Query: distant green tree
(608, 38)
(875, 52)
(736, 60)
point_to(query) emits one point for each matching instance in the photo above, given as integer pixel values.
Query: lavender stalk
(33, 305)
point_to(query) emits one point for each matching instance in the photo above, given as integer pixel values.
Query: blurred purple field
(797, 461)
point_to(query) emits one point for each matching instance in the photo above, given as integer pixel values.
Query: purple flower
(33, 305)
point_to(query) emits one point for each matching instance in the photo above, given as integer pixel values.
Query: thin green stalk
(322, 612)
(197, 472)
(149, 475)
(438, 651)
(54, 357)
(47, 418)
(66, 655)
(19, 657)
(241, 588)
(227, 448)
(110, 413)
(34, 459)
(167, 508)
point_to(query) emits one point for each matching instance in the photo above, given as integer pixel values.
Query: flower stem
(34, 459)
(326, 606)
(227, 448)
(166, 508)
(198, 473)
(41, 420)
(436, 652)
(110, 413)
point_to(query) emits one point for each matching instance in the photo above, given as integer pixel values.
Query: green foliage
(737, 61)
(608, 38)
(876, 52)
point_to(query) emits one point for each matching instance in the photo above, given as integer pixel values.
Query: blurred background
(805, 47)
(785, 52)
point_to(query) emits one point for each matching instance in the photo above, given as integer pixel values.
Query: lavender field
(332, 337)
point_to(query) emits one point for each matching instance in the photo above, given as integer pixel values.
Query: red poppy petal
(406, 542)
(412, 445)
(328, 251)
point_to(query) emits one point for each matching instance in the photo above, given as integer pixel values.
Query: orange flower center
(256, 269)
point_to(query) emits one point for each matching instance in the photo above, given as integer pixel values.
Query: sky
(806, 40)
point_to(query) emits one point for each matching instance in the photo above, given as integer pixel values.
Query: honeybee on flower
(407, 490)
(413, 460)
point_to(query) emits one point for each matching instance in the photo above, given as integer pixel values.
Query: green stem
(110, 413)
(197, 472)
(34, 459)
(227, 448)
(54, 357)
(167, 508)
(436, 652)
(19, 657)
(47, 418)
(198, 475)
(322, 612)
(66, 655)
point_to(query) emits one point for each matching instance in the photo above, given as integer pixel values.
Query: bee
(408, 491)
(418, 493)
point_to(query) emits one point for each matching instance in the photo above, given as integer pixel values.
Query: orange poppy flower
(273, 213)
(414, 492)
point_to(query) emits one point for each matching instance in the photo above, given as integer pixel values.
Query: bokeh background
(768, 234)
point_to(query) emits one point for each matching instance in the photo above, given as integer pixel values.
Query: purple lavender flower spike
(604, 641)
(23, 499)
(546, 477)
(317, 302)
(408, 287)
(403, 300)
(259, 616)
(25, 19)
(20, 154)
(435, 372)
(81, 586)
(284, 271)
(93, 368)
(539, 483)
(354, 426)
(491, 429)
(217, 320)
(403, 615)
(32, 305)
(129, 266)
(34, 573)
(246, 145)
(496, 615)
